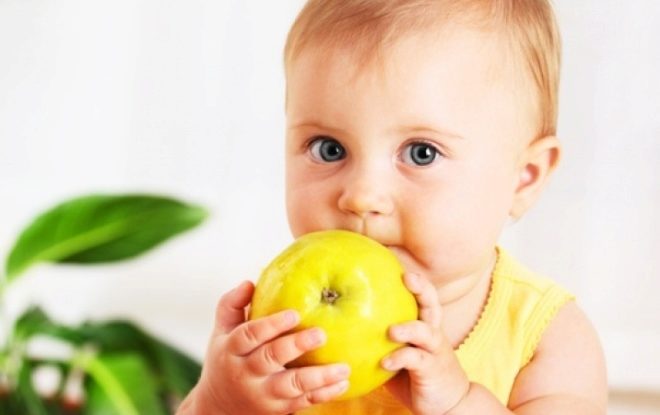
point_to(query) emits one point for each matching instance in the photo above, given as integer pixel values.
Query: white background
(186, 98)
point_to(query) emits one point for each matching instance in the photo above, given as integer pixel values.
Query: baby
(425, 125)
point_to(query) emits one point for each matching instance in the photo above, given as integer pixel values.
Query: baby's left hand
(433, 382)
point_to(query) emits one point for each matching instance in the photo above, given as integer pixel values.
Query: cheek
(452, 228)
(298, 213)
(488, 206)
(294, 195)
(449, 246)
(307, 206)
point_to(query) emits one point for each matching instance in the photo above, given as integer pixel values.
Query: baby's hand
(244, 370)
(433, 382)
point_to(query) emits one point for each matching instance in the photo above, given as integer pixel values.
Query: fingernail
(396, 332)
(342, 386)
(388, 363)
(291, 317)
(343, 371)
(413, 280)
(317, 337)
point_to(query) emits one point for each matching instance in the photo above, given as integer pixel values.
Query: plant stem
(12, 359)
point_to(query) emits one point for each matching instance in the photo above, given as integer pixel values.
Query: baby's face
(420, 152)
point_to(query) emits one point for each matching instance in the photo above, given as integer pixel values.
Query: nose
(366, 192)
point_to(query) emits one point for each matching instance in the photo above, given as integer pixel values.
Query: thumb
(230, 311)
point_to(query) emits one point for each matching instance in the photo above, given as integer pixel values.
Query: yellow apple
(350, 286)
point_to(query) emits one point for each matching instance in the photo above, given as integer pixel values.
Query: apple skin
(350, 286)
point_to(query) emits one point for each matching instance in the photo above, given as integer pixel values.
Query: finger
(294, 383)
(427, 299)
(252, 334)
(413, 359)
(272, 356)
(317, 396)
(230, 311)
(416, 333)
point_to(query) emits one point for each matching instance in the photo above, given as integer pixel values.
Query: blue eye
(327, 149)
(420, 154)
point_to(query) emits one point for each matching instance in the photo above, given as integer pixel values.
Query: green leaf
(121, 384)
(176, 373)
(101, 228)
(34, 321)
(179, 373)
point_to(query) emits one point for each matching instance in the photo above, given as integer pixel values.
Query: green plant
(114, 367)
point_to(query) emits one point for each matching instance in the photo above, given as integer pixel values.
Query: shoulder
(568, 364)
(510, 271)
(532, 301)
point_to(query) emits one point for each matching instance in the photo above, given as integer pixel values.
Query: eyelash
(321, 140)
(315, 151)
(421, 142)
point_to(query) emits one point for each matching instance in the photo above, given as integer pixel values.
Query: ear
(538, 161)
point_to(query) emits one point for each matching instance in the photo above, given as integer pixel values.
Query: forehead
(456, 75)
(423, 58)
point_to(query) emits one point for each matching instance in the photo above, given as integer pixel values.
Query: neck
(463, 301)
(466, 286)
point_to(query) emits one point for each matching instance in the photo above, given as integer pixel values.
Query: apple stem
(329, 296)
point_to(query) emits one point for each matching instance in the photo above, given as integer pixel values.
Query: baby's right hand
(244, 369)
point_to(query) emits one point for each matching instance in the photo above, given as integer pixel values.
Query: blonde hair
(369, 26)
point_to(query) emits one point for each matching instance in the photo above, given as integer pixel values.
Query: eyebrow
(317, 125)
(406, 129)
(418, 128)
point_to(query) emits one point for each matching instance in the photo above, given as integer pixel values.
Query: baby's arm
(244, 369)
(566, 376)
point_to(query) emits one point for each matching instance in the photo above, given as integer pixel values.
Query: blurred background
(186, 99)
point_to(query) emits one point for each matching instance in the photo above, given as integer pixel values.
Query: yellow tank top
(520, 306)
